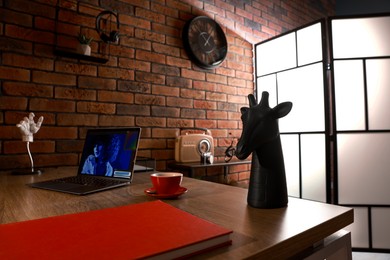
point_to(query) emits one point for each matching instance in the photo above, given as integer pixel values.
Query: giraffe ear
(243, 109)
(252, 100)
(282, 109)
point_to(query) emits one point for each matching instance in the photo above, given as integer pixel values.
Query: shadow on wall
(354, 7)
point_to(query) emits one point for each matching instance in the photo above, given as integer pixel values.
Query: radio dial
(204, 146)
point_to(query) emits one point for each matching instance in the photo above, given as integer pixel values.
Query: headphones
(114, 35)
(230, 152)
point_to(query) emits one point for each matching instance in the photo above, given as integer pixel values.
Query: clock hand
(207, 41)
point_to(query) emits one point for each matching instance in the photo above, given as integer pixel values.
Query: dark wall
(354, 7)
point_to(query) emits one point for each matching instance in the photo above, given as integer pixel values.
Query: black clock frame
(216, 47)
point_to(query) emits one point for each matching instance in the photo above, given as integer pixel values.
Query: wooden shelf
(74, 55)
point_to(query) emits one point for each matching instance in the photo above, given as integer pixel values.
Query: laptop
(107, 162)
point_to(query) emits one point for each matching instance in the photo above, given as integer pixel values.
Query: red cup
(166, 182)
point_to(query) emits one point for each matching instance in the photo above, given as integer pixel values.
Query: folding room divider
(336, 139)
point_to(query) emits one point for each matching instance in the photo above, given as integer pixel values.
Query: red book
(144, 230)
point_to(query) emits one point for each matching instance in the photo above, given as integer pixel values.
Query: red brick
(69, 146)
(163, 154)
(152, 143)
(236, 65)
(96, 83)
(210, 124)
(32, 8)
(75, 93)
(217, 133)
(77, 120)
(136, 87)
(94, 107)
(9, 132)
(150, 77)
(178, 62)
(149, 35)
(123, 50)
(205, 104)
(179, 6)
(166, 70)
(76, 68)
(149, 15)
(19, 147)
(227, 124)
(115, 97)
(57, 133)
(14, 73)
(66, 159)
(29, 34)
(13, 103)
(112, 120)
(37, 104)
(150, 56)
(193, 113)
(236, 82)
(67, 29)
(71, 17)
(165, 90)
(166, 30)
(165, 132)
(225, 71)
(11, 16)
(231, 15)
(215, 10)
(27, 89)
(216, 114)
(203, 85)
(165, 111)
(134, 64)
(149, 99)
(107, 72)
(178, 42)
(237, 99)
(180, 102)
(14, 117)
(136, 43)
(44, 24)
(162, 9)
(136, 22)
(53, 78)
(135, 110)
(150, 121)
(213, 96)
(164, 49)
(197, 75)
(180, 123)
(178, 82)
(174, 22)
(189, 93)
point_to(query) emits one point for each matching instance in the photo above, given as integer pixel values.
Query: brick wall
(148, 80)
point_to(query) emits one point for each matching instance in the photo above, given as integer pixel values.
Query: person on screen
(104, 154)
(98, 163)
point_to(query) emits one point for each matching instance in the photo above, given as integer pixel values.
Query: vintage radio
(191, 147)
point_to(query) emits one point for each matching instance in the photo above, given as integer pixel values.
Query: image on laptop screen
(109, 153)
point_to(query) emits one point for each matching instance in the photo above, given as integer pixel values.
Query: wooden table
(282, 233)
(191, 167)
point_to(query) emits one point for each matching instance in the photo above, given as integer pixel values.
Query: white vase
(84, 49)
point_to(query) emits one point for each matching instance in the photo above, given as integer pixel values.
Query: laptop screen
(110, 152)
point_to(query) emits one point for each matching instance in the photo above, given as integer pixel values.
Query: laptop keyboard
(89, 180)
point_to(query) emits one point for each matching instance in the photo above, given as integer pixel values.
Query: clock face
(205, 42)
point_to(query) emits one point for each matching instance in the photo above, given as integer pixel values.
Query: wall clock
(205, 42)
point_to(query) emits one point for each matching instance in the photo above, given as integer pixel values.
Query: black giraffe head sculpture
(260, 136)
